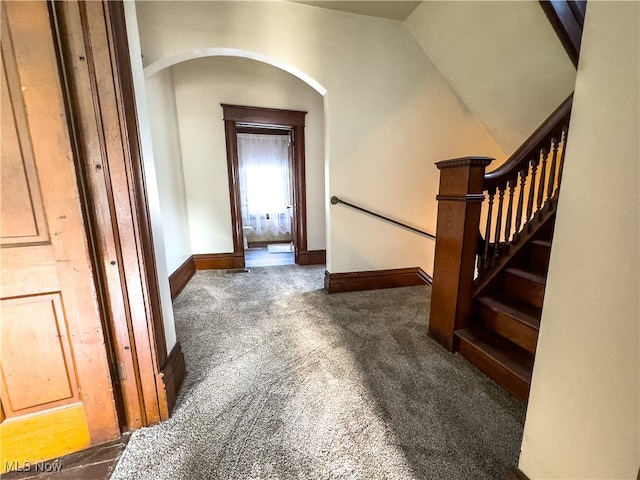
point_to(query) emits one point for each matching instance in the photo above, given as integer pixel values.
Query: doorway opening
(266, 195)
(267, 190)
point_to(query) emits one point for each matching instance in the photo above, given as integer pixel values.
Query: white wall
(389, 113)
(503, 59)
(168, 162)
(583, 419)
(151, 182)
(201, 86)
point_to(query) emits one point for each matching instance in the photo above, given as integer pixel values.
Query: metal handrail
(335, 200)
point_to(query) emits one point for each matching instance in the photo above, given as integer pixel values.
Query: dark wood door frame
(236, 116)
(94, 56)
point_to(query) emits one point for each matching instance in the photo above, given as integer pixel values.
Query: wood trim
(179, 278)
(231, 139)
(375, 279)
(94, 53)
(235, 116)
(515, 474)
(218, 261)
(173, 373)
(263, 130)
(122, 63)
(263, 116)
(312, 257)
(541, 138)
(299, 192)
(567, 23)
(456, 245)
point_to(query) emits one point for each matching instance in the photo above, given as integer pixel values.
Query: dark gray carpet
(287, 382)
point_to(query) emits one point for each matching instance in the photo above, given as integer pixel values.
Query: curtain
(265, 186)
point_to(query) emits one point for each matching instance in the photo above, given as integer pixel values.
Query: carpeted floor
(287, 382)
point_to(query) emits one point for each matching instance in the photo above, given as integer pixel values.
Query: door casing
(94, 55)
(236, 116)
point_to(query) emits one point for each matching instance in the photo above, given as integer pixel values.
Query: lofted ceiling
(394, 10)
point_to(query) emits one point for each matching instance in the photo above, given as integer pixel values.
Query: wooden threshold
(95, 463)
(222, 261)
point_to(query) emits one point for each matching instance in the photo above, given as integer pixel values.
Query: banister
(531, 147)
(335, 200)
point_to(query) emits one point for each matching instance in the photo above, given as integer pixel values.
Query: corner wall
(167, 152)
(583, 419)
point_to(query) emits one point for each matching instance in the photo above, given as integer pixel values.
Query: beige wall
(389, 113)
(163, 118)
(201, 85)
(502, 58)
(583, 419)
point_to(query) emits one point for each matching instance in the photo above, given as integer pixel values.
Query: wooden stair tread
(509, 356)
(541, 243)
(528, 275)
(519, 311)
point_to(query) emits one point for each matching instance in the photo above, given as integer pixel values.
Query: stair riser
(523, 289)
(538, 258)
(514, 384)
(504, 325)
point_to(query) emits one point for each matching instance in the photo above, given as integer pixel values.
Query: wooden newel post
(459, 203)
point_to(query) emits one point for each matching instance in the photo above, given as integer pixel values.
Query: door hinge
(118, 372)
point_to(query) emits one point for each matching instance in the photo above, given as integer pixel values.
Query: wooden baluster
(523, 180)
(534, 169)
(496, 250)
(487, 232)
(543, 176)
(564, 149)
(507, 227)
(552, 169)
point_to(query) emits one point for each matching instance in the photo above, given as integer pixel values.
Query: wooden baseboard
(222, 261)
(376, 279)
(312, 257)
(179, 278)
(172, 373)
(515, 474)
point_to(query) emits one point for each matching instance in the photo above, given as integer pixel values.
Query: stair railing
(522, 192)
(512, 202)
(335, 200)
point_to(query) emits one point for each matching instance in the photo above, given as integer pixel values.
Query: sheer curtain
(265, 187)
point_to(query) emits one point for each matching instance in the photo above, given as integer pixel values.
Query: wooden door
(55, 385)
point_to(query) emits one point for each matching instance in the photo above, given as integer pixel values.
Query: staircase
(493, 245)
(502, 336)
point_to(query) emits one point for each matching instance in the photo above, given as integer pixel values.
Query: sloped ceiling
(394, 10)
(503, 59)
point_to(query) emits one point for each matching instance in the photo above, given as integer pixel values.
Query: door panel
(55, 385)
(35, 327)
(20, 195)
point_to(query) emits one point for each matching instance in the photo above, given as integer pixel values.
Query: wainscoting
(375, 279)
